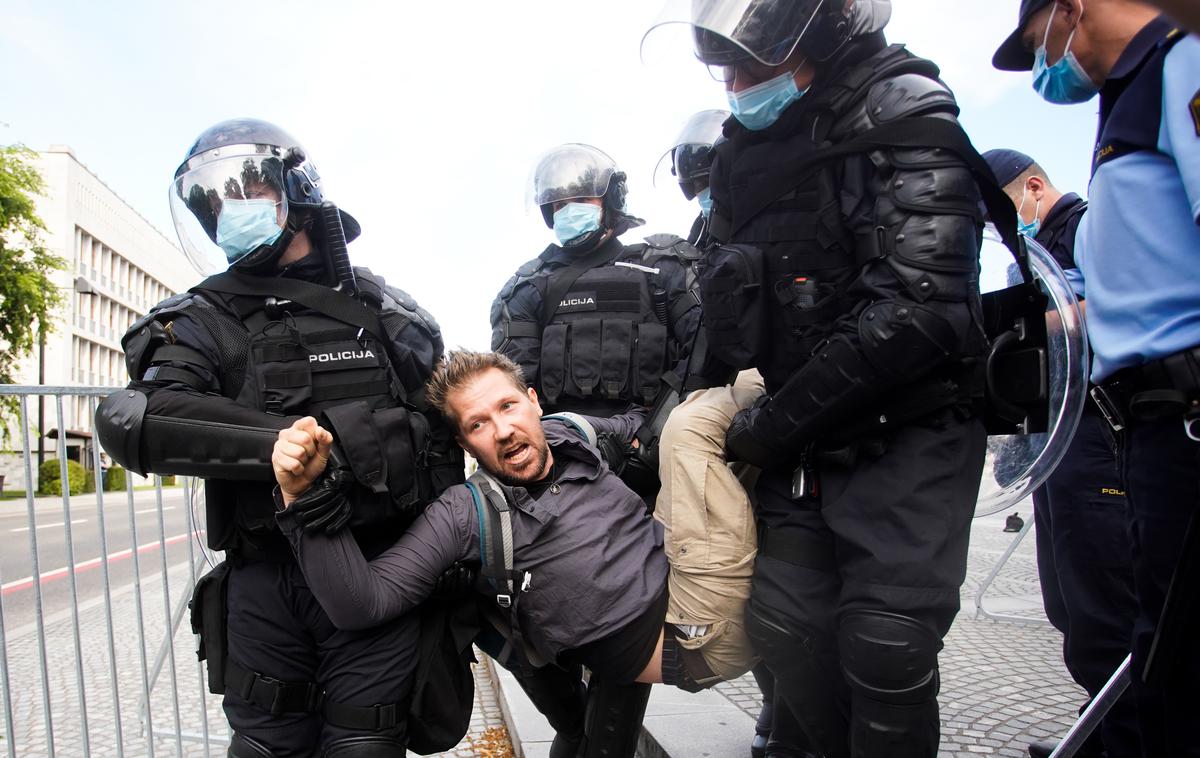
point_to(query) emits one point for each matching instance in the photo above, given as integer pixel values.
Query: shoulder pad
(674, 245)
(396, 300)
(527, 270)
(370, 285)
(164, 310)
(906, 96)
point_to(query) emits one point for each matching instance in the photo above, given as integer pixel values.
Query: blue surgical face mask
(704, 198)
(1033, 227)
(244, 225)
(575, 220)
(760, 106)
(1065, 82)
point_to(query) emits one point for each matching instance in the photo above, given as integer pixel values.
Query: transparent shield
(1017, 464)
(226, 207)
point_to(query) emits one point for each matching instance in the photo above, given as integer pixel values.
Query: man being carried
(588, 569)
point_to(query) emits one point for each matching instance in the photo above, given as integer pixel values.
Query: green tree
(28, 296)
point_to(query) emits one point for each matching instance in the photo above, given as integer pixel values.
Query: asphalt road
(125, 549)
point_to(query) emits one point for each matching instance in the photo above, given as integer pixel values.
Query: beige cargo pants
(710, 533)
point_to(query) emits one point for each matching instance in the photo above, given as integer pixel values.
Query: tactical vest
(770, 299)
(300, 361)
(606, 339)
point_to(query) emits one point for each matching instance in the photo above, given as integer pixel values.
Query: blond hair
(460, 368)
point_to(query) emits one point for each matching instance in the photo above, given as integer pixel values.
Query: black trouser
(1160, 469)
(1086, 570)
(278, 629)
(888, 533)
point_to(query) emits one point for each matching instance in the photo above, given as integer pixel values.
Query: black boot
(614, 719)
(762, 727)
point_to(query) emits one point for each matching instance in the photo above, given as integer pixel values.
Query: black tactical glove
(325, 507)
(614, 451)
(742, 443)
(456, 581)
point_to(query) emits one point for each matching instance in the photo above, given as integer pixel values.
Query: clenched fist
(299, 457)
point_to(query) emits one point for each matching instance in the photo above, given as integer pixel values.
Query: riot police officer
(597, 325)
(691, 164)
(291, 329)
(849, 278)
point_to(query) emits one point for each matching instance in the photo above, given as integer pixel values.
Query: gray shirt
(594, 555)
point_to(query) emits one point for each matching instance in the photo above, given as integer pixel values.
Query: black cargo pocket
(616, 347)
(281, 369)
(553, 362)
(806, 302)
(208, 616)
(651, 360)
(731, 292)
(585, 355)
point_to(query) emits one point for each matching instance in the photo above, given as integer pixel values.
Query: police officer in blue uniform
(291, 329)
(849, 277)
(1084, 562)
(1136, 248)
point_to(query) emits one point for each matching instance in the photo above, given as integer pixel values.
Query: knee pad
(888, 657)
(372, 746)
(241, 746)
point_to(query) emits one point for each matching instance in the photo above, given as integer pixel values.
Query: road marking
(155, 510)
(49, 526)
(120, 555)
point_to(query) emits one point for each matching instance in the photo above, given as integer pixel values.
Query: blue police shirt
(1138, 247)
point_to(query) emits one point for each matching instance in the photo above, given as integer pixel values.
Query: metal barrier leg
(1096, 710)
(991, 577)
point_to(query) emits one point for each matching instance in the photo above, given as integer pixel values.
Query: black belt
(1164, 389)
(275, 697)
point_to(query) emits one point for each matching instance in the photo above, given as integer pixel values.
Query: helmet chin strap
(587, 242)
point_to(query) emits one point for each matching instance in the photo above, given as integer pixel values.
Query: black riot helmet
(575, 171)
(691, 153)
(245, 189)
(729, 33)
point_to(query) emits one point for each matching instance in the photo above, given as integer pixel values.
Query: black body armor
(603, 329)
(852, 279)
(287, 360)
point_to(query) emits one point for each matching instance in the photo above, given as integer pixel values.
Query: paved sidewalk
(1003, 683)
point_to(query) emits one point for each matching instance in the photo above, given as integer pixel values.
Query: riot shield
(1036, 371)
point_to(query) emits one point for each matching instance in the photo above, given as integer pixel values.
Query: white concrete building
(118, 266)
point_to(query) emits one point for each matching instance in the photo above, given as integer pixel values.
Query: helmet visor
(690, 158)
(226, 208)
(726, 32)
(569, 172)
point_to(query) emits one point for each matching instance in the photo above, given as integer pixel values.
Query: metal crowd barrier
(84, 673)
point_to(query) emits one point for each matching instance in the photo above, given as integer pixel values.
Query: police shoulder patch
(1194, 106)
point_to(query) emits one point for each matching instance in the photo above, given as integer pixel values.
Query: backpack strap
(497, 576)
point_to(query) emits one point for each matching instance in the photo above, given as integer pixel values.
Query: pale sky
(425, 119)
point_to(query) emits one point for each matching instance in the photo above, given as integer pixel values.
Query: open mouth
(515, 454)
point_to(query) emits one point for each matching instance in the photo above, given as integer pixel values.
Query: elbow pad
(145, 442)
(904, 341)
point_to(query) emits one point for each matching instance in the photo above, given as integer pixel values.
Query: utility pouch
(731, 288)
(381, 447)
(208, 617)
(281, 368)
